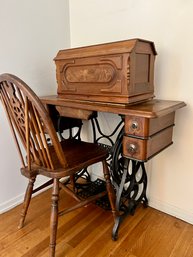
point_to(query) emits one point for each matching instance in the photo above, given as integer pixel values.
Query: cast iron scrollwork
(128, 176)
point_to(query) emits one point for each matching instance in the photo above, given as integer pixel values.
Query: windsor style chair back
(42, 153)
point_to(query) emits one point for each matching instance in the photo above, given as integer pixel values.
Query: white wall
(169, 25)
(31, 33)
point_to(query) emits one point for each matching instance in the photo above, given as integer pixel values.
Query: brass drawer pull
(132, 148)
(134, 125)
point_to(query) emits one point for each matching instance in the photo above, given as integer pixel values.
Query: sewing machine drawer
(145, 137)
(145, 127)
(143, 149)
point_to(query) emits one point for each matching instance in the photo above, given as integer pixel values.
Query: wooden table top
(150, 109)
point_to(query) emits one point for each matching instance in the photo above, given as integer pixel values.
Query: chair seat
(31, 126)
(79, 154)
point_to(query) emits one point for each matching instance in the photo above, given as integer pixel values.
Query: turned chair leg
(72, 182)
(26, 202)
(54, 217)
(110, 190)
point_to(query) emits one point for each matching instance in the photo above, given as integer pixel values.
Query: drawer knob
(132, 148)
(134, 125)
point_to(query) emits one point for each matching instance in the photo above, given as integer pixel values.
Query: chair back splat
(42, 153)
(29, 119)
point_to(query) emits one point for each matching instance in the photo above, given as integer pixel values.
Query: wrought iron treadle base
(129, 176)
(93, 188)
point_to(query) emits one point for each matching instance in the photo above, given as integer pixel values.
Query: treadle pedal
(94, 188)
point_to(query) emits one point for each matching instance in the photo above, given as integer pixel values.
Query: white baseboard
(165, 207)
(13, 202)
(171, 210)
(6, 206)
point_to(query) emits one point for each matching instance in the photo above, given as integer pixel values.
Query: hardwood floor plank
(102, 227)
(184, 244)
(155, 236)
(105, 245)
(87, 232)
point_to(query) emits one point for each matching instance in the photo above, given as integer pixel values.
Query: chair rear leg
(26, 202)
(110, 190)
(54, 217)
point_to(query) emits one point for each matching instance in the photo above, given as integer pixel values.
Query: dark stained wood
(28, 119)
(85, 232)
(121, 72)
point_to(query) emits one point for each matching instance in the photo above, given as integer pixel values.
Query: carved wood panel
(96, 74)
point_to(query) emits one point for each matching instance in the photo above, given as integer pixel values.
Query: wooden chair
(29, 120)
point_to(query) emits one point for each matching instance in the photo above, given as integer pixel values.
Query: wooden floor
(87, 232)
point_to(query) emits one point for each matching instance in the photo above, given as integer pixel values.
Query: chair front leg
(26, 202)
(110, 190)
(54, 217)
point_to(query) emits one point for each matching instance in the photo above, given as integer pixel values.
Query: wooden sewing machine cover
(118, 72)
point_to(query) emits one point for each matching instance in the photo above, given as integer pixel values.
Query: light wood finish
(121, 72)
(144, 149)
(144, 127)
(148, 125)
(29, 121)
(74, 113)
(149, 109)
(85, 232)
(144, 137)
